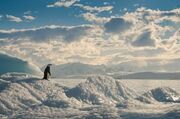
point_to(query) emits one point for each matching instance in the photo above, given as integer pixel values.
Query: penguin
(47, 72)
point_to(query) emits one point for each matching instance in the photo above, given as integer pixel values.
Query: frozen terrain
(9, 63)
(24, 96)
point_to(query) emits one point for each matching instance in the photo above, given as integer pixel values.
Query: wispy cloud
(69, 3)
(28, 17)
(63, 3)
(27, 12)
(46, 33)
(94, 8)
(94, 18)
(13, 18)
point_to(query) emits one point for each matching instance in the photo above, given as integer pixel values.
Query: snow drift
(12, 64)
(101, 90)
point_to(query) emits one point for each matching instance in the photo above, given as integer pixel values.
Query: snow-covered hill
(101, 90)
(12, 64)
(161, 94)
(24, 96)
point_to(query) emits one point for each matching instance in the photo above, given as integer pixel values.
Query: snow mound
(22, 91)
(13, 64)
(161, 94)
(101, 90)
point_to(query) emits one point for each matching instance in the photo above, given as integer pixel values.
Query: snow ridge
(101, 90)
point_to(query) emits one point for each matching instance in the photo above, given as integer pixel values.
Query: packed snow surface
(24, 96)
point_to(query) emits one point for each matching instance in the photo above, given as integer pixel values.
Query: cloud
(156, 16)
(167, 65)
(68, 34)
(13, 18)
(94, 8)
(63, 3)
(117, 25)
(53, 51)
(144, 40)
(59, 45)
(27, 12)
(94, 18)
(28, 17)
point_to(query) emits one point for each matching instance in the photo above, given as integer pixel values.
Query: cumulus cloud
(42, 34)
(13, 18)
(117, 25)
(63, 3)
(28, 17)
(94, 8)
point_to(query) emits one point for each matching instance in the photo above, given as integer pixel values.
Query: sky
(135, 33)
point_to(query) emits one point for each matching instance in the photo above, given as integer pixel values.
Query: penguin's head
(49, 65)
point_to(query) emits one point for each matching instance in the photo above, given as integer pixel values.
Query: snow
(101, 89)
(23, 96)
(13, 64)
(163, 94)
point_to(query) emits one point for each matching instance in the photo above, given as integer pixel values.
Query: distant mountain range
(150, 75)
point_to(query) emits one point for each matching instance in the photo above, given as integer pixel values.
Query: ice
(23, 96)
